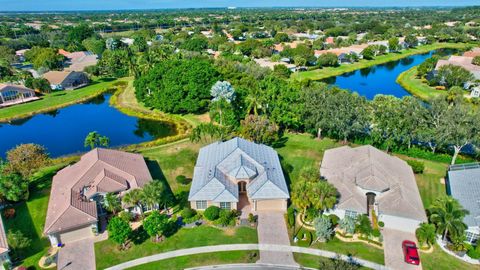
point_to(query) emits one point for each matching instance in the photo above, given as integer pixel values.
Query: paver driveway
(273, 230)
(78, 255)
(394, 258)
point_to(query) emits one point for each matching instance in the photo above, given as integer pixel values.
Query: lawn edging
(323, 73)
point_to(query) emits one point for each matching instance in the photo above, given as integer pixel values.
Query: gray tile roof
(464, 185)
(220, 164)
(356, 171)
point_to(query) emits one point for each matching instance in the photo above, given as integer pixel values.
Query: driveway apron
(393, 251)
(78, 255)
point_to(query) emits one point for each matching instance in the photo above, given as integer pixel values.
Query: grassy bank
(57, 100)
(107, 253)
(125, 101)
(323, 73)
(182, 262)
(415, 86)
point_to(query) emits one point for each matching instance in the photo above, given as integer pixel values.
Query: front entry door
(242, 187)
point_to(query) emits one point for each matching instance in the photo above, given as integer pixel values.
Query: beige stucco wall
(193, 205)
(271, 205)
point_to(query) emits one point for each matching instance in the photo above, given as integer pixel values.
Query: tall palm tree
(134, 198)
(156, 193)
(447, 215)
(299, 189)
(426, 234)
(112, 203)
(323, 195)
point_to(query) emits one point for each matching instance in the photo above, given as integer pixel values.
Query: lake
(63, 131)
(381, 79)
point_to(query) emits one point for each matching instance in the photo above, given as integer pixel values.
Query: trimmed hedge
(212, 213)
(417, 166)
(182, 179)
(188, 213)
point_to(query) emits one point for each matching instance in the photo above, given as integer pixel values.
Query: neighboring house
(11, 94)
(78, 61)
(66, 80)
(462, 61)
(21, 54)
(368, 180)
(463, 184)
(75, 204)
(472, 53)
(127, 41)
(4, 249)
(238, 174)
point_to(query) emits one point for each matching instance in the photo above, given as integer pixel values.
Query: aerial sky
(56, 5)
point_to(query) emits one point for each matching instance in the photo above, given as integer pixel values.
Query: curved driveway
(261, 247)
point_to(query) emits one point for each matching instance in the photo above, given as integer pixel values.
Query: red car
(410, 252)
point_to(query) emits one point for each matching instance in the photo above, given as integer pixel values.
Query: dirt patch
(229, 231)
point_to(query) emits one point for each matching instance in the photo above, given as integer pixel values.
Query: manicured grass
(30, 217)
(415, 86)
(173, 160)
(107, 253)
(56, 100)
(179, 263)
(311, 261)
(302, 150)
(439, 260)
(428, 182)
(323, 73)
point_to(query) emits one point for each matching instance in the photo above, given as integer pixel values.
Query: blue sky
(43, 5)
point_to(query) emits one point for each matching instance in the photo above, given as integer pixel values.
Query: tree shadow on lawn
(139, 236)
(157, 173)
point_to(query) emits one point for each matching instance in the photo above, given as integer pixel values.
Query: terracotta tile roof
(56, 77)
(356, 171)
(98, 171)
(472, 53)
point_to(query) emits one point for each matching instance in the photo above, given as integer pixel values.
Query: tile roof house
(11, 94)
(238, 173)
(367, 180)
(78, 61)
(4, 249)
(66, 80)
(463, 184)
(462, 61)
(77, 190)
(472, 53)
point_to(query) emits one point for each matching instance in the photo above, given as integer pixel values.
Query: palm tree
(111, 203)
(323, 195)
(447, 215)
(156, 193)
(426, 234)
(134, 198)
(299, 189)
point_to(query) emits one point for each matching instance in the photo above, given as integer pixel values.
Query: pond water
(63, 131)
(381, 79)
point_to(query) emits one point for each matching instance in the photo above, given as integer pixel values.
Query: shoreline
(324, 73)
(409, 81)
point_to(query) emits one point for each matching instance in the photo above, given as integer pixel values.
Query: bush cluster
(417, 166)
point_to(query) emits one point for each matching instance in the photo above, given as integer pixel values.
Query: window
(201, 204)
(472, 237)
(225, 205)
(349, 213)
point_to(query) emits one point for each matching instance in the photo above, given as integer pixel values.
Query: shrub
(227, 218)
(376, 233)
(323, 228)
(127, 216)
(474, 252)
(212, 213)
(381, 224)
(188, 213)
(334, 219)
(252, 218)
(49, 260)
(291, 216)
(364, 226)
(304, 238)
(348, 225)
(417, 166)
(182, 179)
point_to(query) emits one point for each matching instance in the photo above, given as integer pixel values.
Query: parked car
(410, 252)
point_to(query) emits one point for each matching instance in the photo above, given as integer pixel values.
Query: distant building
(78, 61)
(462, 61)
(472, 53)
(475, 93)
(66, 80)
(4, 249)
(463, 184)
(11, 94)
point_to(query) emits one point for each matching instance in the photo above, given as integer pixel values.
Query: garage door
(76, 235)
(272, 205)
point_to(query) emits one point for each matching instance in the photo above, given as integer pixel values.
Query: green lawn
(312, 261)
(56, 100)
(30, 217)
(439, 260)
(415, 86)
(323, 73)
(179, 263)
(107, 253)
